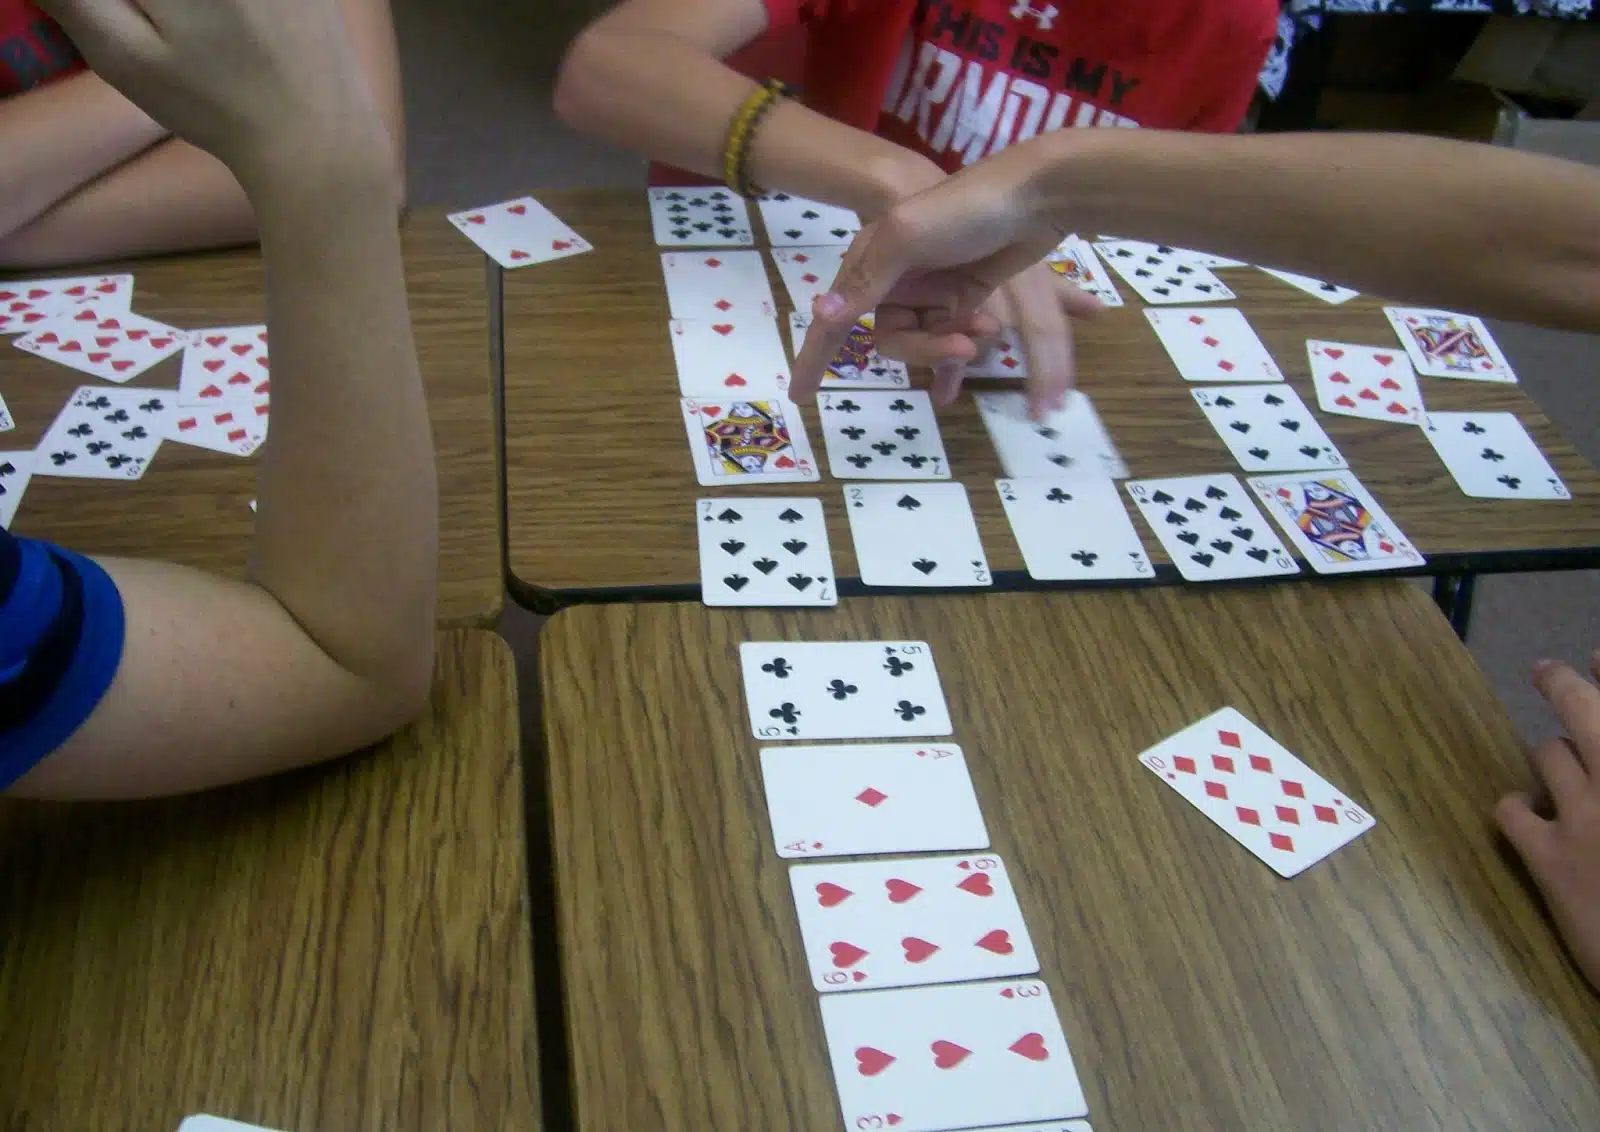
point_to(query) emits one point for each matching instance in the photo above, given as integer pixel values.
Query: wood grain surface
(344, 949)
(600, 486)
(1409, 981)
(192, 505)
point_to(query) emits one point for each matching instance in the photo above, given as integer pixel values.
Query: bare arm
(176, 197)
(648, 75)
(60, 136)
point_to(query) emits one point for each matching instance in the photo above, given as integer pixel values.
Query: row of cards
(709, 217)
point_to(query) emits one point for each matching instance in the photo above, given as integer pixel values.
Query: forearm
(670, 100)
(61, 136)
(346, 534)
(1452, 224)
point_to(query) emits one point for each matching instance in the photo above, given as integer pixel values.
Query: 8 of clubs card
(105, 434)
(919, 535)
(842, 690)
(740, 442)
(1334, 521)
(857, 365)
(764, 550)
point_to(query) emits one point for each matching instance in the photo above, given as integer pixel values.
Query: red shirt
(33, 50)
(959, 79)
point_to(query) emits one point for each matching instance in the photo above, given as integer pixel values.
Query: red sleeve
(1239, 69)
(782, 13)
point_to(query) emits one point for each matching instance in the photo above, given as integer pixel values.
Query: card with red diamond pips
(519, 233)
(1266, 799)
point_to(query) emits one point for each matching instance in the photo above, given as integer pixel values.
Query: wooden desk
(344, 949)
(1407, 982)
(193, 506)
(600, 487)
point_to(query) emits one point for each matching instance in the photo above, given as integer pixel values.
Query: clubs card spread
(1211, 528)
(910, 922)
(843, 690)
(1163, 275)
(1327, 292)
(226, 365)
(1442, 344)
(112, 345)
(1071, 439)
(518, 233)
(740, 442)
(840, 801)
(16, 469)
(764, 551)
(1073, 528)
(807, 272)
(873, 435)
(720, 357)
(1075, 261)
(717, 286)
(963, 1056)
(105, 434)
(915, 535)
(236, 430)
(1335, 523)
(1372, 382)
(797, 222)
(28, 303)
(1492, 456)
(1268, 428)
(1003, 357)
(1213, 345)
(1255, 789)
(858, 365)
(693, 217)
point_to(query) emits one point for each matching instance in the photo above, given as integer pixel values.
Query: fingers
(1556, 763)
(1576, 703)
(1528, 833)
(1046, 337)
(874, 263)
(95, 25)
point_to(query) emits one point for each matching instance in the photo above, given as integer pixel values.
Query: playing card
(1003, 357)
(1070, 439)
(848, 800)
(1327, 292)
(28, 303)
(218, 1124)
(935, 1058)
(857, 365)
(740, 442)
(915, 535)
(6, 422)
(1255, 789)
(16, 469)
(807, 272)
(692, 217)
(105, 434)
(1209, 344)
(797, 222)
(1210, 528)
(110, 344)
(1442, 344)
(226, 365)
(1075, 261)
(716, 357)
(1268, 428)
(1073, 528)
(1335, 523)
(1162, 274)
(1365, 381)
(1492, 456)
(910, 922)
(764, 551)
(1208, 259)
(237, 430)
(518, 233)
(843, 690)
(717, 286)
(872, 435)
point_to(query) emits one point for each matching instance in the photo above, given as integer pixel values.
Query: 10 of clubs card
(850, 800)
(1073, 528)
(740, 442)
(1335, 523)
(872, 435)
(909, 922)
(764, 550)
(857, 365)
(842, 690)
(971, 1055)
(699, 217)
(920, 535)
(1443, 344)
(1492, 456)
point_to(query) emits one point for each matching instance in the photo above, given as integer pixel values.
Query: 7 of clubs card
(1335, 523)
(873, 435)
(843, 690)
(920, 535)
(740, 442)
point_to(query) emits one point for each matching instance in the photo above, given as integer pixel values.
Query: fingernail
(830, 305)
(1540, 665)
(948, 370)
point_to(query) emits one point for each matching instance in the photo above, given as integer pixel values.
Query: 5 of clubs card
(1335, 523)
(740, 442)
(842, 690)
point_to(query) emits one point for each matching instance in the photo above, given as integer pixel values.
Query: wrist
(345, 182)
(896, 175)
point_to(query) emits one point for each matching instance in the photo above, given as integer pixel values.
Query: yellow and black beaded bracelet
(742, 129)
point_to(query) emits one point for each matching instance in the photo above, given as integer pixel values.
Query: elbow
(402, 693)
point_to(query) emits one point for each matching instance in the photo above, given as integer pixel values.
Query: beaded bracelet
(742, 130)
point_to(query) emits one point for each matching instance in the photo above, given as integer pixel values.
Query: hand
(944, 270)
(263, 87)
(1563, 851)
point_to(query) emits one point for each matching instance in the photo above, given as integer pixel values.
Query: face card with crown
(740, 442)
(1076, 262)
(858, 365)
(1266, 799)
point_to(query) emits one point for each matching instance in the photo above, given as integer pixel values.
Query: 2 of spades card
(919, 535)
